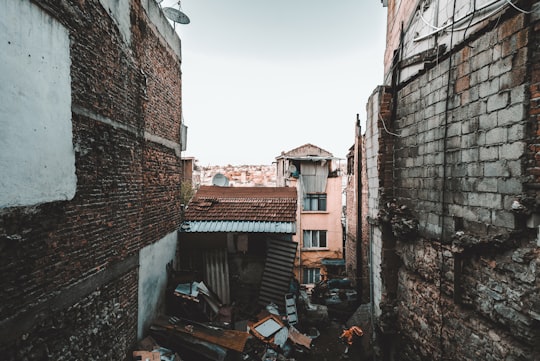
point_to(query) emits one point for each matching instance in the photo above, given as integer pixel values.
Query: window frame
(311, 274)
(319, 199)
(311, 233)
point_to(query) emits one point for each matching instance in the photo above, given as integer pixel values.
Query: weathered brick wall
(351, 216)
(468, 286)
(69, 269)
(364, 254)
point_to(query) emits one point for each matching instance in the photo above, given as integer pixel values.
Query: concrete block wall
(70, 269)
(474, 146)
(465, 153)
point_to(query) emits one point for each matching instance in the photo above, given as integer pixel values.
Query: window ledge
(315, 249)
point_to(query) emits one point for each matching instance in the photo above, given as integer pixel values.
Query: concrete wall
(153, 260)
(69, 264)
(373, 191)
(464, 164)
(36, 148)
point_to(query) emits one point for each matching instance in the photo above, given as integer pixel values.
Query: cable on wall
(443, 185)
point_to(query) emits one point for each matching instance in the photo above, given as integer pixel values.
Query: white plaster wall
(153, 280)
(372, 153)
(376, 263)
(119, 12)
(37, 160)
(373, 176)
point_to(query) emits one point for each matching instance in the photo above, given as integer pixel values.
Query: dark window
(315, 202)
(311, 275)
(314, 239)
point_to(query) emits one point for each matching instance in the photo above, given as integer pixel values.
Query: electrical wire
(470, 22)
(460, 20)
(518, 8)
(386, 129)
(443, 186)
(427, 23)
(499, 9)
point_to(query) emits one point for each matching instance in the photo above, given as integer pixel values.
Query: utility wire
(517, 8)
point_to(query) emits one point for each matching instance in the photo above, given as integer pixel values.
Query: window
(314, 239)
(311, 275)
(315, 202)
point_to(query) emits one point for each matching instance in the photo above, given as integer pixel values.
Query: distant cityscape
(238, 176)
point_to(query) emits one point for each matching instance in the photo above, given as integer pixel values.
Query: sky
(260, 77)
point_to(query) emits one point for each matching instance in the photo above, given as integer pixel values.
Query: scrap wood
(299, 338)
(148, 344)
(230, 339)
(148, 348)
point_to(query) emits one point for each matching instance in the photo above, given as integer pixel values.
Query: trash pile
(337, 294)
(198, 326)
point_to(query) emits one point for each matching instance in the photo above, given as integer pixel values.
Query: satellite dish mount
(175, 15)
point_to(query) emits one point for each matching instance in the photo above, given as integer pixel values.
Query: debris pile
(197, 326)
(337, 295)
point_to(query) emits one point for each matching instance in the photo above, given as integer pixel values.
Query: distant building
(240, 241)
(316, 175)
(240, 175)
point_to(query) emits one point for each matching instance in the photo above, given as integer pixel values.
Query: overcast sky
(260, 77)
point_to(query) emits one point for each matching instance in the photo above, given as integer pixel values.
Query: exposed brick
(127, 195)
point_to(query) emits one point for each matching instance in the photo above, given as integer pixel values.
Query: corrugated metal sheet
(217, 273)
(238, 226)
(277, 272)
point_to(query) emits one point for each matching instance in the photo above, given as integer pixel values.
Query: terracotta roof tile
(266, 204)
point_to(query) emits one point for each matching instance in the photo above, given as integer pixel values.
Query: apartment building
(316, 175)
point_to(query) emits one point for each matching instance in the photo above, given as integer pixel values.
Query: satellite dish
(292, 168)
(220, 180)
(176, 15)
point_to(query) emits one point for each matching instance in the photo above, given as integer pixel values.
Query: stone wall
(464, 154)
(69, 283)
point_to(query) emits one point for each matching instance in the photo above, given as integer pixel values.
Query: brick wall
(352, 237)
(69, 269)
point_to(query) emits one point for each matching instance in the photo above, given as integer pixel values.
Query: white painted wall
(37, 160)
(119, 12)
(373, 176)
(153, 280)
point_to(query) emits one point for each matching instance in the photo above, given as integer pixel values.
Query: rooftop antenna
(175, 15)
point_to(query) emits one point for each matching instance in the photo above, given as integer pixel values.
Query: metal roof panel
(238, 226)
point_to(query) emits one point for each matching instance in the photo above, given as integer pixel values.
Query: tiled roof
(262, 204)
(306, 150)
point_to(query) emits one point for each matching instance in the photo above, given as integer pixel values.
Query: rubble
(198, 326)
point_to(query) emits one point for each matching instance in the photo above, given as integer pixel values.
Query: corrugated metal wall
(277, 272)
(216, 268)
